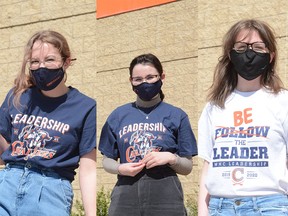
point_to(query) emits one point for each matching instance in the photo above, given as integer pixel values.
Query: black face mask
(146, 91)
(47, 79)
(250, 64)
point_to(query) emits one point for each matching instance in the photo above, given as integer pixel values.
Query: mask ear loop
(30, 78)
(68, 64)
(68, 61)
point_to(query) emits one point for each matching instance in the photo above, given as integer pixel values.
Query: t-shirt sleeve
(88, 138)
(186, 139)
(108, 141)
(284, 106)
(205, 142)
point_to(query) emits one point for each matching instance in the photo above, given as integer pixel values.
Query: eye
(241, 47)
(34, 62)
(259, 47)
(150, 77)
(137, 79)
(50, 60)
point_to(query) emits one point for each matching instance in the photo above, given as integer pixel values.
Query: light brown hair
(24, 79)
(225, 78)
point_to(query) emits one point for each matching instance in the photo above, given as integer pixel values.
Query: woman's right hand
(130, 169)
(3, 146)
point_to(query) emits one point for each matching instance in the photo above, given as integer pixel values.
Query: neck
(248, 86)
(151, 103)
(57, 92)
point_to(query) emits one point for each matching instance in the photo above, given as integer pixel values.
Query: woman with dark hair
(243, 129)
(154, 141)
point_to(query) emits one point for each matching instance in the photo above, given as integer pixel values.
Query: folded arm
(181, 165)
(127, 169)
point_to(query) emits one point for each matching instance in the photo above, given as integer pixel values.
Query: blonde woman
(46, 128)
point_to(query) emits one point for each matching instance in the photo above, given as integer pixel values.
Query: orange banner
(111, 7)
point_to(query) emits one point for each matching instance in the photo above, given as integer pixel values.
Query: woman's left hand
(153, 159)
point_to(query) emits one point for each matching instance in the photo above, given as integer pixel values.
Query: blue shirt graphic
(129, 134)
(49, 132)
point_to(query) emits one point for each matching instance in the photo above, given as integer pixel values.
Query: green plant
(79, 209)
(103, 202)
(191, 206)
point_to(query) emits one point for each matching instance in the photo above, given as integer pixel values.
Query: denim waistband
(249, 198)
(248, 201)
(34, 168)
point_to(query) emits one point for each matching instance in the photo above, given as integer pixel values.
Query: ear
(130, 80)
(67, 63)
(163, 76)
(272, 55)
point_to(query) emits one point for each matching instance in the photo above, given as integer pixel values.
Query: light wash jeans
(272, 205)
(27, 190)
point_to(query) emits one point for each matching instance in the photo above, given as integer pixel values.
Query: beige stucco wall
(185, 35)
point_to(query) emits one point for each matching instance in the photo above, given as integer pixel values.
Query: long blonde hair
(24, 79)
(225, 78)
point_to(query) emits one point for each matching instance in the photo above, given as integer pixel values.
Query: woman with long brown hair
(243, 128)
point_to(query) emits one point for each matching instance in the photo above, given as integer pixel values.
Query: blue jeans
(272, 205)
(27, 190)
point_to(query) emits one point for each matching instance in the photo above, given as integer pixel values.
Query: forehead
(144, 70)
(40, 49)
(248, 35)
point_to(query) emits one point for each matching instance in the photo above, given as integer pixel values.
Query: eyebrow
(148, 75)
(48, 56)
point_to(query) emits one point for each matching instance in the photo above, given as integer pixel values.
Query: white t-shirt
(246, 144)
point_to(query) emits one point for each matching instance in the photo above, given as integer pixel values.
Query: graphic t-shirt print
(32, 138)
(241, 147)
(142, 140)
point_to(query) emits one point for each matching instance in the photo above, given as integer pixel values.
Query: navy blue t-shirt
(129, 133)
(49, 132)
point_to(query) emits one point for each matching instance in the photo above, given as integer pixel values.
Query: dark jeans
(153, 192)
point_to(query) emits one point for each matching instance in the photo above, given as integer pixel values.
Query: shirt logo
(141, 143)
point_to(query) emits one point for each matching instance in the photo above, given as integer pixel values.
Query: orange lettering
(238, 120)
(245, 116)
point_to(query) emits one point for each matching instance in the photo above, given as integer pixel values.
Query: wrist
(118, 170)
(173, 160)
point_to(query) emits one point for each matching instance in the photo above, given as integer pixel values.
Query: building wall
(186, 35)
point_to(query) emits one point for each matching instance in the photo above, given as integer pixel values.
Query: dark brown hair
(148, 59)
